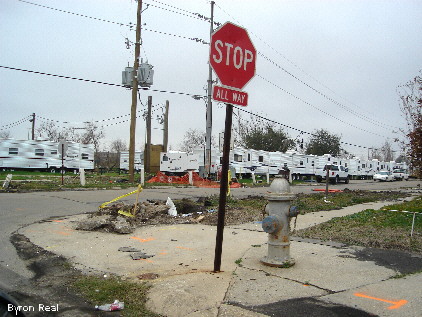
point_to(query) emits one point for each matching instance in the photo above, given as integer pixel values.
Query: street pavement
(328, 279)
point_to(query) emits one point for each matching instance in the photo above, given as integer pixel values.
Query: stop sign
(232, 55)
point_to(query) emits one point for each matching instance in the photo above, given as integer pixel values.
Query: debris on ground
(172, 208)
(111, 307)
(148, 276)
(140, 256)
(110, 219)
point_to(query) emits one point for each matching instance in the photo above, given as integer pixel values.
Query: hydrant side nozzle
(293, 211)
(271, 224)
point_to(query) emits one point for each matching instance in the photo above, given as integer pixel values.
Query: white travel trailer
(215, 159)
(138, 163)
(178, 162)
(44, 155)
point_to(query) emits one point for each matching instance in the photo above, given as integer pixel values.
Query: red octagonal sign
(232, 55)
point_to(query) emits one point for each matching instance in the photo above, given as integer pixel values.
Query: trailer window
(13, 151)
(165, 158)
(260, 158)
(39, 152)
(301, 163)
(249, 157)
(237, 158)
(53, 152)
(85, 156)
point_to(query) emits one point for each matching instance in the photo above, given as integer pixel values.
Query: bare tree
(92, 135)
(5, 134)
(118, 145)
(411, 107)
(387, 151)
(194, 138)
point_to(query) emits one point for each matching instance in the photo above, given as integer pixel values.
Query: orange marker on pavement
(396, 305)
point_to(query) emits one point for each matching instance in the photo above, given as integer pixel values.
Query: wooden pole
(166, 128)
(147, 158)
(134, 95)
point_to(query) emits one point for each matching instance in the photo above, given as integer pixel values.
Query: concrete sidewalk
(328, 279)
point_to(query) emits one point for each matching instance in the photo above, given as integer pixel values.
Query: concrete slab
(326, 276)
(394, 297)
(250, 287)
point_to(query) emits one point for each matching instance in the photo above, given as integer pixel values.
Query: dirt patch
(204, 211)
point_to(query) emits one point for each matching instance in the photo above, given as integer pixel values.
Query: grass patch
(315, 202)
(384, 228)
(44, 181)
(99, 290)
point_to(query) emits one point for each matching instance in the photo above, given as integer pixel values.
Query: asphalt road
(20, 209)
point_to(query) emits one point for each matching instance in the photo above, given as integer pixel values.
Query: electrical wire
(95, 81)
(171, 92)
(315, 107)
(381, 124)
(131, 25)
(295, 129)
(361, 116)
(14, 124)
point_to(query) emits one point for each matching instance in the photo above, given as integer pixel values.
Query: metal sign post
(224, 183)
(233, 58)
(62, 150)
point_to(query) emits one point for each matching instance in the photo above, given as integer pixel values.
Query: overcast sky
(323, 64)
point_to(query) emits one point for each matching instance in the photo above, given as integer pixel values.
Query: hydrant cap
(280, 189)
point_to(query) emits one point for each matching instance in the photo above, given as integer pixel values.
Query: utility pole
(134, 95)
(209, 107)
(147, 156)
(33, 126)
(166, 127)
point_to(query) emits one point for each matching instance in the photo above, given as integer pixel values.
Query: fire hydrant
(277, 224)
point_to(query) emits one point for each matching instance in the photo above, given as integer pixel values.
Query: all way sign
(230, 96)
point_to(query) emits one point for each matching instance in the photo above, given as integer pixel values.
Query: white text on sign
(239, 56)
(230, 96)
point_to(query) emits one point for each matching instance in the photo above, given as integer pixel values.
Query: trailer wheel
(53, 170)
(346, 181)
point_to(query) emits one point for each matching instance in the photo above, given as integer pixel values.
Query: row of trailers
(45, 155)
(246, 162)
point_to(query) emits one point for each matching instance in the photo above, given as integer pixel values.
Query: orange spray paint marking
(147, 260)
(63, 233)
(184, 248)
(57, 220)
(142, 240)
(396, 305)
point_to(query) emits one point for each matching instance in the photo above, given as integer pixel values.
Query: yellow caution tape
(125, 213)
(138, 190)
(229, 180)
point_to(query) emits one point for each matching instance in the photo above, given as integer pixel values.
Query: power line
(361, 116)
(295, 129)
(171, 92)
(315, 107)
(309, 86)
(14, 124)
(189, 14)
(95, 81)
(130, 24)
